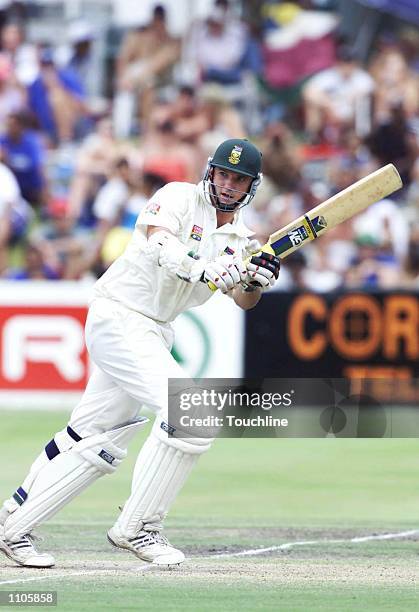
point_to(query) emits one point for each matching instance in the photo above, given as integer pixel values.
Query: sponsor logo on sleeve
(196, 233)
(152, 208)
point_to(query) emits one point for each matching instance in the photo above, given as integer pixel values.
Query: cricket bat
(335, 210)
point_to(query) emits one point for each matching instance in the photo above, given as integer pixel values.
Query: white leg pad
(161, 470)
(64, 442)
(69, 473)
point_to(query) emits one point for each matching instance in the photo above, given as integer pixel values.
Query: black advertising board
(347, 334)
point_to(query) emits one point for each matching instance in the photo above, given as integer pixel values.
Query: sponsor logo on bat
(297, 235)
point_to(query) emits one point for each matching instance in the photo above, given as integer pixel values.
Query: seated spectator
(12, 97)
(94, 165)
(34, 266)
(116, 209)
(338, 98)
(375, 266)
(140, 196)
(144, 64)
(15, 214)
(80, 59)
(63, 245)
(120, 228)
(395, 86)
(206, 120)
(217, 119)
(112, 196)
(110, 201)
(386, 221)
(57, 99)
(217, 46)
(21, 54)
(281, 158)
(22, 150)
(161, 151)
(297, 275)
(392, 141)
(185, 113)
(220, 50)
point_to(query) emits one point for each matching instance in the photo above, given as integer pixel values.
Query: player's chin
(227, 204)
(227, 208)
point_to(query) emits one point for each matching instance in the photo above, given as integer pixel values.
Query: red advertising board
(42, 348)
(43, 358)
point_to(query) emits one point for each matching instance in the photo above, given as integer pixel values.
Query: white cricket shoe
(23, 552)
(150, 546)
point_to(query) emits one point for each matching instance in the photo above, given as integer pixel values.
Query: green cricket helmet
(236, 155)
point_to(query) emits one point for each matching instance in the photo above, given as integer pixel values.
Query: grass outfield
(296, 508)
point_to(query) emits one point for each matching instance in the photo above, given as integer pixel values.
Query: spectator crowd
(75, 169)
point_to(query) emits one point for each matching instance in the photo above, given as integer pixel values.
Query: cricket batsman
(186, 237)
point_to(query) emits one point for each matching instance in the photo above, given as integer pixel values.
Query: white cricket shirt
(142, 285)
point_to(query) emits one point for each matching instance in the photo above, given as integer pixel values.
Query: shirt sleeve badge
(196, 233)
(152, 208)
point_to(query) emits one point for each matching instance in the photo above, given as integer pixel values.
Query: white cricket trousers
(132, 364)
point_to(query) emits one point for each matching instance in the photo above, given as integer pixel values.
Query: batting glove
(225, 272)
(262, 271)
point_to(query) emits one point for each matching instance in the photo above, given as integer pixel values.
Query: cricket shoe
(150, 546)
(23, 552)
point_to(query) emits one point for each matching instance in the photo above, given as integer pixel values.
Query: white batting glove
(262, 271)
(225, 272)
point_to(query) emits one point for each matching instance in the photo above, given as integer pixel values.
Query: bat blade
(335, 210)
(332, 212)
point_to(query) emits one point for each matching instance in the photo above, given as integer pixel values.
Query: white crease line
(136, 571)
(243, 553)
(387, 536)
(20, 580)
(288, 545)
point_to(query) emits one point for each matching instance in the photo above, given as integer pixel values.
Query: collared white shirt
(144, 286)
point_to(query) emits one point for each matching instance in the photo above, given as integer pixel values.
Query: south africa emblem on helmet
(235, 155)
